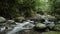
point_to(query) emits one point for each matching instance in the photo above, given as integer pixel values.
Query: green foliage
(56, 7)
(15, 8)
(44, 6)
(27, 8)
(8, 8)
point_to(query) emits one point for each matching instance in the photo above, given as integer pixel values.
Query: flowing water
(21, 26)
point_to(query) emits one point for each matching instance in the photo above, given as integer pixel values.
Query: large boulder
(2, 19)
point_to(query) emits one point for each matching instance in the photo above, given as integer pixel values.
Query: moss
(56, 32)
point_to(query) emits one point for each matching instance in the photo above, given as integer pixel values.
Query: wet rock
(29, 21)
(49, 24)
(10, 22)
(2, 19)
(2, 29)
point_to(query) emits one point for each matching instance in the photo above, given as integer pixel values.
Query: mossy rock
(2, 19)
(19, 19)
(40, 25)
(57, 27)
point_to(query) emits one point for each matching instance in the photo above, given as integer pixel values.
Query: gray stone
(10, 21)
(2, 19)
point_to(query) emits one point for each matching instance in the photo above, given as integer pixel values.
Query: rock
(10, 22)
(2, 29)
(2, 19)
(49, 24)
(48, 17)
(40, 25)
(57, 27)
(58, 22)
(19, 19)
